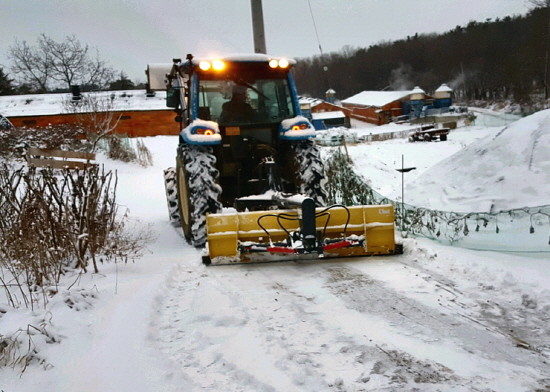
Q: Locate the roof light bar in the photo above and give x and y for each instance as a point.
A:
(216, 65)
(280, 63)
(205, 65)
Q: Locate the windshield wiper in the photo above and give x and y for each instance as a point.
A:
(250, 86)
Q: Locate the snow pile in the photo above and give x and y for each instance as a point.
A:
(508, 170)
(378, 162)
(24, 336)
(333, 136)
(32, 336)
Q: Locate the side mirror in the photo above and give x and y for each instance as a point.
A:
(172, 98)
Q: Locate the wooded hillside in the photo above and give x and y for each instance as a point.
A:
(501, 59)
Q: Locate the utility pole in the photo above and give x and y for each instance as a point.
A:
(258, 26)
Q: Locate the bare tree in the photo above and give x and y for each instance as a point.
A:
(67, 62)
(98, 72)
(96, 115)
(31, 65)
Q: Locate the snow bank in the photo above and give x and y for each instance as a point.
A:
(508, 170)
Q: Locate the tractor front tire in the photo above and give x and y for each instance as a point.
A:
(311, 174)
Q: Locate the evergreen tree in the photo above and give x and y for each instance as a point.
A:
(123, 83)
(6, 87)
(497, 59)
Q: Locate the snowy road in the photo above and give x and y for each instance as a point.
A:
(368, 324)
(436, 318)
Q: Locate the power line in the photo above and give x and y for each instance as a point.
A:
(315, 27)
(325, 68)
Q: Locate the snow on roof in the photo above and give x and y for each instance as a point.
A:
(376, 98)
(311, 101)
(417, 90)
(444, 89)
(328, 115)
(330, 91)
(46, 104)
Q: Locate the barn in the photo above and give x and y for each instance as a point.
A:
(376, 107)
(137, 113)
(382, 107)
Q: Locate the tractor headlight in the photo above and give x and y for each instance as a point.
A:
(198, 130)
(297, 128)
(216, 65)
(202, 132)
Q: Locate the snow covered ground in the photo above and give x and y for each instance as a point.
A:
(436, 318)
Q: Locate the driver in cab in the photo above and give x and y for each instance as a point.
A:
(237, 110)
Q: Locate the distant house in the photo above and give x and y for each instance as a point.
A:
(332, 119)
(330, 96)
(376, 107)
(323, 114)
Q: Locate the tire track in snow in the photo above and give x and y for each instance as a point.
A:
(209, 324)
(446, 338)
(524, 322)
(322, 327)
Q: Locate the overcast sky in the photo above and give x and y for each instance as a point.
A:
(129, 34)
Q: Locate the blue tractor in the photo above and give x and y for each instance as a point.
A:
(245, 147)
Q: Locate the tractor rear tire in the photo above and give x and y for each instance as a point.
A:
(172, 195)
(184, 203)
(198, 190)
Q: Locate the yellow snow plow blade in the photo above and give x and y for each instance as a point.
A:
(278, 235)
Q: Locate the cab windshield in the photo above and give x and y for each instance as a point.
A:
(237, 101)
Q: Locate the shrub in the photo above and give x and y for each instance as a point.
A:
(54, 221)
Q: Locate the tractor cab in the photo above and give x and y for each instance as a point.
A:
(227, 95)
(250, 96)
